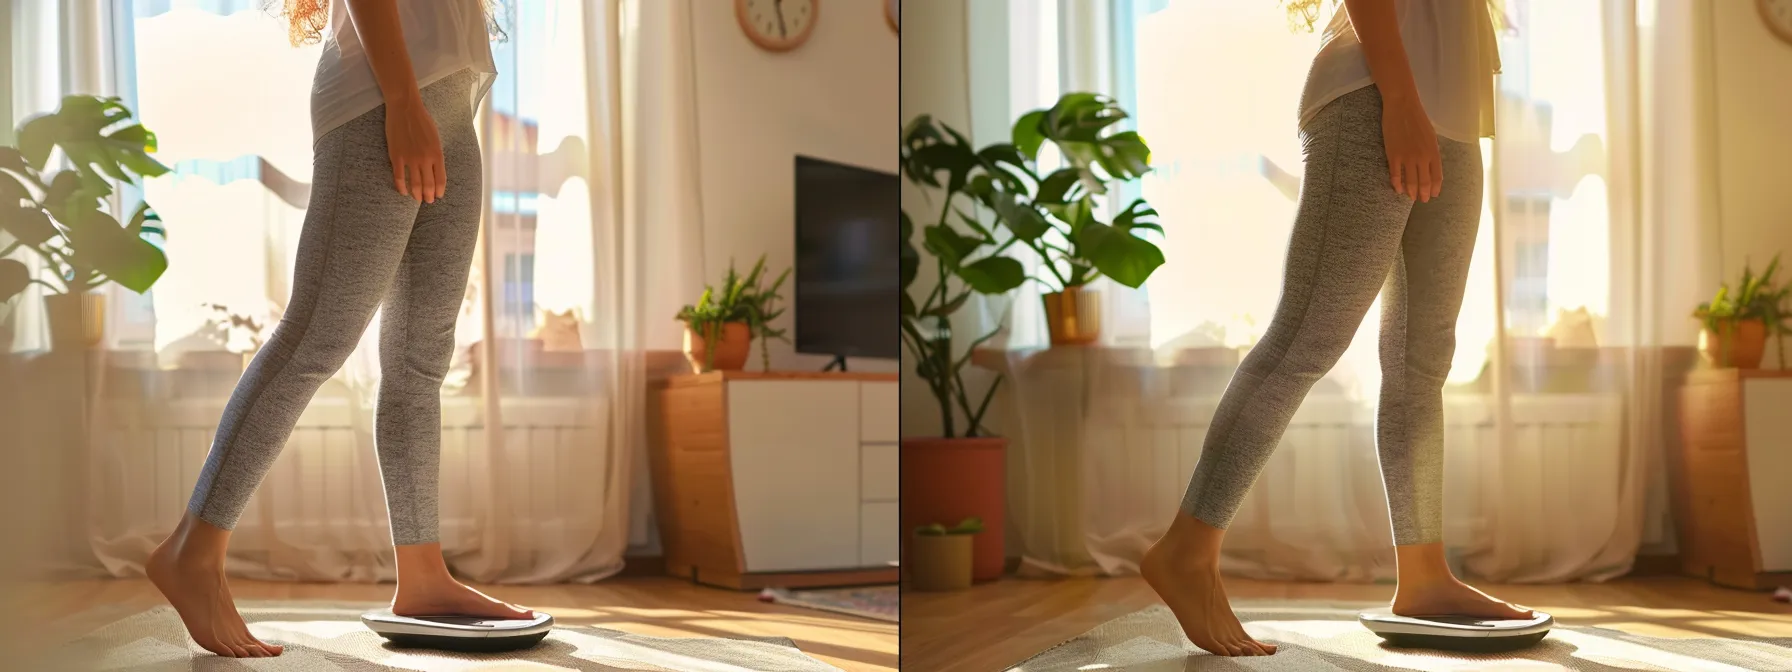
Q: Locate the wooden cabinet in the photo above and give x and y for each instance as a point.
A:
(777, 479)
(1733, 498)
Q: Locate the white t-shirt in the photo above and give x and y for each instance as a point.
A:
(1454, 57)
(443, 37)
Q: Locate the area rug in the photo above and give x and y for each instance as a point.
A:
(329, 638)
(1316, 637)
(882, 603)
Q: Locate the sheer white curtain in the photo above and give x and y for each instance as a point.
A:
(543, 410)
(1550, 456)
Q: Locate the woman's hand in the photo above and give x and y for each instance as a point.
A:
(416, 150)
(1413, 161)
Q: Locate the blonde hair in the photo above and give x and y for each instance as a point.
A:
(307, 19)
(1304, 14)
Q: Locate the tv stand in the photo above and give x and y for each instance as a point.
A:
(839, 360)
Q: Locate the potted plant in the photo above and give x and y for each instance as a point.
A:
(236, 332)
(719, 329)
(62, 216)
(1057, 215)
(940, 557)
(961, 472)
(1735, 327)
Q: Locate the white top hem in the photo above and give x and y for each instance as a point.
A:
(349, 114)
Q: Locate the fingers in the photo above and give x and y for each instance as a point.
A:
(426, 176)
(1423, 192)
(441, 179)
(1437, 176)
(1412, 180)
(1396, 170)
(398, 175)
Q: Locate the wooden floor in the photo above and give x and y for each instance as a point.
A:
(657, 606)
(995, 625)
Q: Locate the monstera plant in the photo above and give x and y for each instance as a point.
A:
(959, 472)
(1055, 214)
(62, 216)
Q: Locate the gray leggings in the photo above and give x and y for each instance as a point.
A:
(1354, 236)
(363, 244)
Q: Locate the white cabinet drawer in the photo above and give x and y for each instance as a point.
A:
(880, 472)
(880, 412)
(793, 449)
(880, 539)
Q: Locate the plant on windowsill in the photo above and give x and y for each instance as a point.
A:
(940, 558)
(719, 329)
(1735, 328)
(62, 216)
(1056, 215)
(236, 332)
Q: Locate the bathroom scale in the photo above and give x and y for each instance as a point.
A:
(459, 633)
(1463, 633)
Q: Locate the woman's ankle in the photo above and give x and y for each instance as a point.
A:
(1422, 566)
(1190, 544)
(196, 542)
(422, 566)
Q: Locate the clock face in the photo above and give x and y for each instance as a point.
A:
(1778, 15)
(777, 25)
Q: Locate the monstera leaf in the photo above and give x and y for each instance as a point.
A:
(69, 225)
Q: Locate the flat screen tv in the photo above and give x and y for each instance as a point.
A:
(847, 274)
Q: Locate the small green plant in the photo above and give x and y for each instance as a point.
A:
(62, 216)
(970, 525)
(743, 299)
(1757, 298)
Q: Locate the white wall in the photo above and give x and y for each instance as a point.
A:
(1752, 77)
(1751, 82)
(834, 98)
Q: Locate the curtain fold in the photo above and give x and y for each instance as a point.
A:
(1554, 408)
(591, 208)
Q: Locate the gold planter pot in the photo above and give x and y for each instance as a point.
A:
(77, 321)
(1073, 316)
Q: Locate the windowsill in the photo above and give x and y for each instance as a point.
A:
(1548, 370)
(210, 375)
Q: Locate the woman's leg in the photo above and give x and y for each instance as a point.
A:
(1346, 236)
(1418, 342)
(416, 346)
(356, 229)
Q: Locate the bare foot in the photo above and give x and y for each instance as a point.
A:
(1194, 593)
(1451, 597)
(196, 588)
(448, 597)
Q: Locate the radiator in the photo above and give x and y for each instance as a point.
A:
(1563, 465)
(325, 489)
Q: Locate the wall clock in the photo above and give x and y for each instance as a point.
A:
(777, 25)
(1778, 16)
(893, 14)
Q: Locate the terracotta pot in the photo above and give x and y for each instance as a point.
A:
(1073, 316)
(947, 480)
(1736, 344)
(731, 353)
(77, 321)
(939, 562)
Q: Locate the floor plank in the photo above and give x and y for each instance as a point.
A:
(657, 606)
(995, 625)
